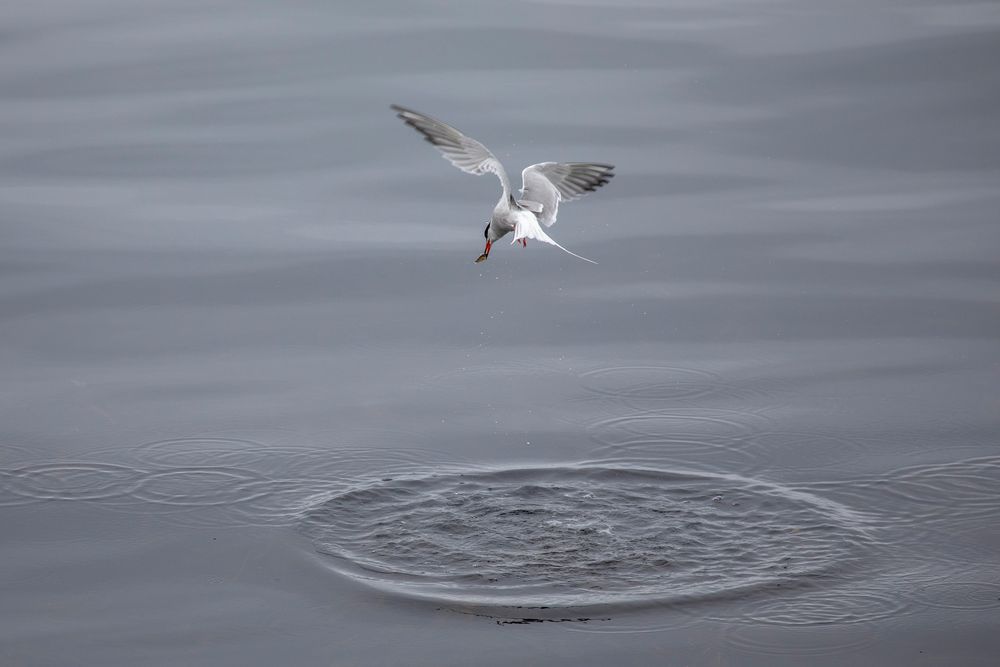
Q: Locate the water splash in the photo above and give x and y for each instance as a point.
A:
(580, 536)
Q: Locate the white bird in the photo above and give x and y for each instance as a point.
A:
(544, 185)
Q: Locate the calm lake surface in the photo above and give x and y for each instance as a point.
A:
(259, 406)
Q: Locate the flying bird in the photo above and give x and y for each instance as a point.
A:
(544, 185)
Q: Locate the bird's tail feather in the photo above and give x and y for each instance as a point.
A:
(528, 228)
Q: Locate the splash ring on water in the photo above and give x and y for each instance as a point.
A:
(201, 487)
(800, 640)
(73, 481)
(13, 453)
(696, 429)
(580, 536)
(658, 383)
(823, 607)
(965, 595)
(689, 437)
(950, 491)
(7, 496)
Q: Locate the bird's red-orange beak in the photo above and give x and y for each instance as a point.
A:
(486, 253)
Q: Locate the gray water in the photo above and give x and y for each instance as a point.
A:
(260, 407)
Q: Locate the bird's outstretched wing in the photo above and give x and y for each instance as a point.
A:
(549, 183)
(464, 152)
(527, 227)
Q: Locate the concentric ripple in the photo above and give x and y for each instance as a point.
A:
(660, 383)
(967, 595)
(10, 453)
(645, 387)
(690, 436)
(201, 487)
(824, 607)
(580, 536)
(703, 426)
(803, 450)
(801, 640)
(72, 481)
(918, 495)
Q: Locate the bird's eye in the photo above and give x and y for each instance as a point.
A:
(486, 232)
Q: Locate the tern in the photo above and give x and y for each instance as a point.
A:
(544, 185)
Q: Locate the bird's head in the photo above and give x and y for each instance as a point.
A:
(489, 242)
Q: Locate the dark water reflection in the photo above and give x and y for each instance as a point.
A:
(234, 289)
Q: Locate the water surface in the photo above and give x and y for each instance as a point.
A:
(260, 407)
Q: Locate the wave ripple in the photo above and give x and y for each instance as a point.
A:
(580, 536)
